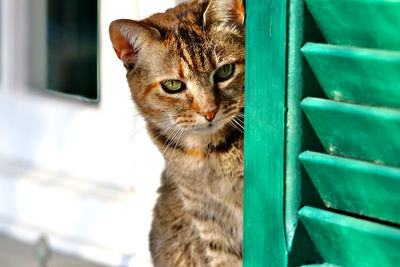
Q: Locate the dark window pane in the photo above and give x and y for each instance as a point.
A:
(72, 47)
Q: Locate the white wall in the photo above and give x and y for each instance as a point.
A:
(81, 173)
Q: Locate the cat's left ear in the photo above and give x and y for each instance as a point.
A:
(224, 11)
(129, 37)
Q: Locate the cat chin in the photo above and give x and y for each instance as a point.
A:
(209, 129)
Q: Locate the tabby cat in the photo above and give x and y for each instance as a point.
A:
(185, 70)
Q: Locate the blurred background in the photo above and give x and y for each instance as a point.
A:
(78, 173)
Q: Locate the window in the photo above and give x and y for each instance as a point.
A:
(71, 33)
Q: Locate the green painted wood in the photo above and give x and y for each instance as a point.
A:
(264, 233)
(294, 118)
(365, 23)
(348, 241)
(366, 76)
(301, 28)
(320, 265)
(355, 186)
(300, 83)
(356, 131)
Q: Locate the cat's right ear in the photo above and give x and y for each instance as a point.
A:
(129, 37)
(224, 11)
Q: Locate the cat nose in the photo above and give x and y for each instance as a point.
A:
(209, 115)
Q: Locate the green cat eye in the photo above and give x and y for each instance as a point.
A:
(225, 72)
(173, 86)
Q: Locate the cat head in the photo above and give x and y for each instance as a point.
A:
(185, 67)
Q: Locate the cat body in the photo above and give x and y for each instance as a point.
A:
(186, 74)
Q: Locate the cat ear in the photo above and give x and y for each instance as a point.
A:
(129, 37)
(224, 11)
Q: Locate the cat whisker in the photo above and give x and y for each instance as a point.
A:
(165, 131)
(240, 120)
(169, 141)
(144, 127)
(240, 114)
(166, 145)
(161, 121)
(176, 143)
(238, 123)
(229, 114)
(234, 126)
(173, 141)
(136, 132)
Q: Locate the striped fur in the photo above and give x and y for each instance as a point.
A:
(198, 218)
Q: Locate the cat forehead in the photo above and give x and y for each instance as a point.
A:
(188, 22)
(197, 58)
(187, 13)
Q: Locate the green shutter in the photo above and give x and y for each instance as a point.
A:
(322, 140)
(357, 176)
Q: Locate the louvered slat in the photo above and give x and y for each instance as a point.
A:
(364, 23)
(366, 76)
(347, 241)
(355, 186)
(356, 131)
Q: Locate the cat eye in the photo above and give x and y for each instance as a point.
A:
(225, 72)
(173, 86)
